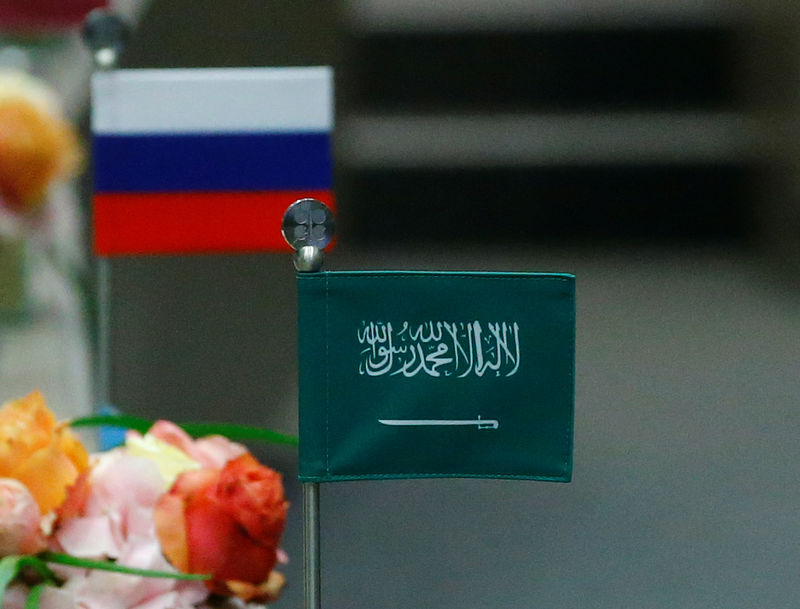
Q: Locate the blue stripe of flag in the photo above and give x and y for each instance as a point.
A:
(212, 162)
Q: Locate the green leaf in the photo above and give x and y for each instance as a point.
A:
(32, 601)
(231, 431)
(107, 565)
(9, 568)
(117, 420)
(40, 567)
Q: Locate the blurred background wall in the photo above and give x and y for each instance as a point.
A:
(650, 147)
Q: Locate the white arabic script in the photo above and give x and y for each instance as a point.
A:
(439, 348)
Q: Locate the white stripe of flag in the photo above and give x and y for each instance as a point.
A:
(216, 100)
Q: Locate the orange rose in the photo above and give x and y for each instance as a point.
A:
(39, 452)
(226, 523)
(37, 146)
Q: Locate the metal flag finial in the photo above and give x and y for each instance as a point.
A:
(308, 226)
(105, 33)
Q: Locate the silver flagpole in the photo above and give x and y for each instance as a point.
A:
(104, 34)
(311, 561)
(102, 382)
(308, 227)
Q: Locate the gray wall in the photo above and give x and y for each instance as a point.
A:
(686, 458)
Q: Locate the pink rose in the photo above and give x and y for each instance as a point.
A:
(211, 451)
(109, 514)
(19, 520)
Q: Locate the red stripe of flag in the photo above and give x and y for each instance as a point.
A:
(193, 222)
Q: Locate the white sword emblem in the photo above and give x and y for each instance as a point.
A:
(479, 422)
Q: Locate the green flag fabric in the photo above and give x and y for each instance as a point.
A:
(436, 374)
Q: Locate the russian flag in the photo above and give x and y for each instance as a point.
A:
(207, 160)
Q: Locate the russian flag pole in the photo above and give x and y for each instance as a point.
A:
(105, 35)
(308, 227)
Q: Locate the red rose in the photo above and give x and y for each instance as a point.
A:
(226, 523)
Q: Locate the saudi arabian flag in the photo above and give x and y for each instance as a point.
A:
(436, 374)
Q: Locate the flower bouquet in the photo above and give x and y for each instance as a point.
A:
(38, 150)
(164, 521)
